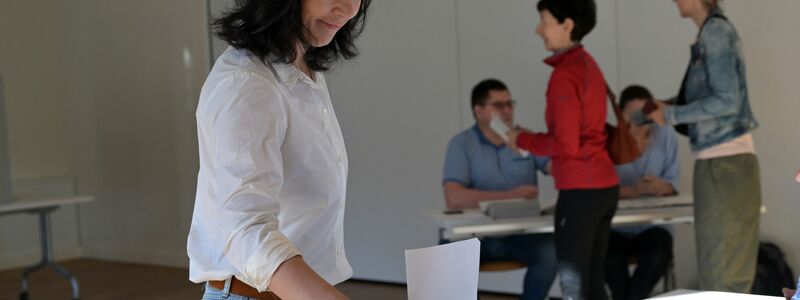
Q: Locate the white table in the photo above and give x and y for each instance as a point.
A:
(700, 295)
(43, 206)
(472, 223)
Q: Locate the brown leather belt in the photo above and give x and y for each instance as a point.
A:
(242, 289)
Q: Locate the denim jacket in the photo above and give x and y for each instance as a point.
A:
(713, 101)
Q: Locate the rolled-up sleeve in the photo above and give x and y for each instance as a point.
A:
(248, 131)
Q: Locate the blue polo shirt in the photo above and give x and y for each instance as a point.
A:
(476, 163)
(659, 159)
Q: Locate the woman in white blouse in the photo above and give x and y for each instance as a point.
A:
(268, 214)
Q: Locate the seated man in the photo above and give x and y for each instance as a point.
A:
(655, 173)
(479, 167)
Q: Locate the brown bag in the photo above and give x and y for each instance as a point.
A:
(620, 142)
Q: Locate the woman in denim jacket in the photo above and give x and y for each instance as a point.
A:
(712, 108)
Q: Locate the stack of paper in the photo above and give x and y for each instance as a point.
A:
(512, 208)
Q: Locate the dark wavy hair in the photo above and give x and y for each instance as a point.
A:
(582, 12)
(270, 30)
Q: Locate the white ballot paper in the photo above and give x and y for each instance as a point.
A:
(444, 272)
(499, 127)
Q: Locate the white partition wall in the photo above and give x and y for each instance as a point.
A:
(769, 30)
(398, 106)
(34, 128)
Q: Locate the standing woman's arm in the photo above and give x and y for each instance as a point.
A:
(563, 139)
(718, 42)
(248, 129)
(294, 279)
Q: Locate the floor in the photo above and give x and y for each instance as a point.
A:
(100, 280)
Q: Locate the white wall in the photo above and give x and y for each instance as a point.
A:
(769, 32)
(397, 104)
(644, 42)
(133, 71)
(38, 145)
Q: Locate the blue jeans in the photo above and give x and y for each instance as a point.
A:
(215, 294)
(538, 251)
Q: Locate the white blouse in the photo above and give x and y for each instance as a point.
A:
(273, 173)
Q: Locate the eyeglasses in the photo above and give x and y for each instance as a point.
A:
(499, 105)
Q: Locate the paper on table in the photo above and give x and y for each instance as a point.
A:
(444, 272)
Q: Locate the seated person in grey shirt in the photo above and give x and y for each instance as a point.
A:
(655, 173)
(480, 167)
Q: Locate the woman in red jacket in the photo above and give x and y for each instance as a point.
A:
(576, 141)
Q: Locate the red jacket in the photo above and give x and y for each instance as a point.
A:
(576, 118)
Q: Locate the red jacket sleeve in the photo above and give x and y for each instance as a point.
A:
(564, 117)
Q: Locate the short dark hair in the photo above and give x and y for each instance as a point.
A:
(633, 92)
(480, 93)
(582, 12)
(270, 30)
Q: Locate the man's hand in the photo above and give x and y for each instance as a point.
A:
(797, 177)
(526, 191)
(652, 185)
(658, 115)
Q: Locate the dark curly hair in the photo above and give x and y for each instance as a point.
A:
(270, 29)
(582, 12)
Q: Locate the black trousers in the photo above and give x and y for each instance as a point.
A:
(653, 251)
(582, 225)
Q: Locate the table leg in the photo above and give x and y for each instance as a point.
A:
(47, 258)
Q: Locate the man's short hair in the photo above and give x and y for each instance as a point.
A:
(480, 93)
